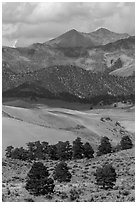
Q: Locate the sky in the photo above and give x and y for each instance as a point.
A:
(24, 23)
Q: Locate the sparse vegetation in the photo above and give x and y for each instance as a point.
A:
(74, 194)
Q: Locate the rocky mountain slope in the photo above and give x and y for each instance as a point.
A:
(80, 68)
(67, 82)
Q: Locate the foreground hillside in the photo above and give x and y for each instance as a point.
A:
(53, 121)
(83, 180)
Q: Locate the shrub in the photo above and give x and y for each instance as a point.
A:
(105, 176)
(104, 147)
(74, 194)
(64, 195)
(77, 149)
(28, 200)
(61, 172)
(88, 150)
(126, 142)
(38, 181)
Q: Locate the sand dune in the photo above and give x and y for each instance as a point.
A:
(21, 125)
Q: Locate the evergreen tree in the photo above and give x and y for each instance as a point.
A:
(64, 150)
(105, 176)
(38, 150)
(9, 151)
(61, 172)
(52, 152)
(31, 150)
(38, 181)
(77, 149)
(126, 142)
(18, 153)
(88, 151)
(105, 146)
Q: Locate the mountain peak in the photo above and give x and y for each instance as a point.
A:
(71, 32)
(102, 30)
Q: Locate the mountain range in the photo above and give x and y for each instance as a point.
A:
(82, 65)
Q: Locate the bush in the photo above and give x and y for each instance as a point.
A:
(126, 142)
(78, 149)
(61, 172)
(105, 176)
(104, 147)
(88, 150)
(28, 200)
(74, 194)
(38, 181)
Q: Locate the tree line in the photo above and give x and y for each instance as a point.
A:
(64, 150)
(39, 181)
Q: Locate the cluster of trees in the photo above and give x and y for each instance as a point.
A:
(40, 182)
(60, 151)
(64, 150)
(105, 147)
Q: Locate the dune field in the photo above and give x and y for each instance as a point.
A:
(33, 122)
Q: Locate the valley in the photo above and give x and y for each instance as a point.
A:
(77, 85)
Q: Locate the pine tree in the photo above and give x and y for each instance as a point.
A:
(126, 142)
(38, 181)
(64, 150)
(9, 151)
(52, 152)
(88, 151)
(105, 146)
(61, 172)
(105, 176)
(77, 149)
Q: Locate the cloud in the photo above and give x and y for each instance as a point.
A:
(28, 22)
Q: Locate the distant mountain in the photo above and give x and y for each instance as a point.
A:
(104, 36)
(74, 38)
(38, 56)
(71, 66)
